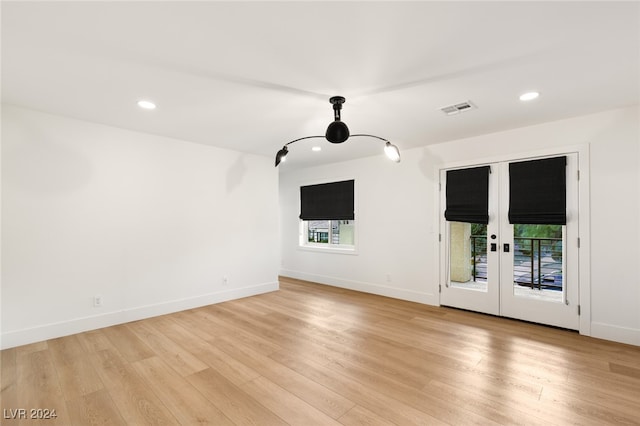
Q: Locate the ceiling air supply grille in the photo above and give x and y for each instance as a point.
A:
(457, 108)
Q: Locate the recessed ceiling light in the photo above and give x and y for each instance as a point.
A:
(529, 96)
(316, 148)
(146, 104)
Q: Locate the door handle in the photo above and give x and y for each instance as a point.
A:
(505, 248)
(494, 247)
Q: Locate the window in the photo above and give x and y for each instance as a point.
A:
(327, 216)
(330, 232)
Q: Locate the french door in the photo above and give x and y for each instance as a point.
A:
(526, 271)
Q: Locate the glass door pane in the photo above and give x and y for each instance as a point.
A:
(468, 255)
(538, 262)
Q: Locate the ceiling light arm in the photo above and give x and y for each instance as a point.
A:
(282, 154)
(371, 136)
(300, 139)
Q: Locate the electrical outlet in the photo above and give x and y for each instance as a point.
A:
(225, 280)
(97, 301)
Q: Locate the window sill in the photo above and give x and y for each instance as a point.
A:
(332, 250)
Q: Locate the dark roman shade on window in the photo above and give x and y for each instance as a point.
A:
(468, 195)
(538, 192)
(327, 201)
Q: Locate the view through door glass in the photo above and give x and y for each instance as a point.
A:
(538, 262)
(468, 255)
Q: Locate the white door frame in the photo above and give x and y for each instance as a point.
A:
(584, 217)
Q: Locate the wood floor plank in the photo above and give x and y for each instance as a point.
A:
(423, 401)
(285, 404)
(66, 350)
(177, 394)
(326, 350)
(76, 373)
(136, 401)
(8, 380)
(32, 347)
(112, 368)
(138, 405)
(606, 383)
(619, 399)
(252, 331)
(207, 352)
(175, 356)
(39, 388)
(556, 400)
(547, 352)
(94, 341)
(94, 409)
(241, 408)
(194, 320)
(314, 354)
(229, 323)
(424, 341)
(474, 397)
(490, 383)
(127, 343)
(375, 400)
(491, 358)
(78, 378)
(624, 370)
(318, 396)
(359, 416)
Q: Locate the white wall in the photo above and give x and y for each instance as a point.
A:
(397, 216)
(150, 223)
(388, 197)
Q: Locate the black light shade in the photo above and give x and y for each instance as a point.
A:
(337, 132)
(280, 156)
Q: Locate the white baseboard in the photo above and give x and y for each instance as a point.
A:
(396, 293)
(615, 333)
(11, 339)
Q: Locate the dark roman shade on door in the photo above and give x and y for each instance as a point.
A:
(538, 192)
(327, 201)
(468, 195)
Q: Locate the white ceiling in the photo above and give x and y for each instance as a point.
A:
(253, 76)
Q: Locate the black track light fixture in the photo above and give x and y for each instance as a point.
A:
(282, 155)
(338, 132)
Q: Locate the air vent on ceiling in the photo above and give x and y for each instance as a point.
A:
(456, 108)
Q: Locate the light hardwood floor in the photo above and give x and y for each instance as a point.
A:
(316, 355)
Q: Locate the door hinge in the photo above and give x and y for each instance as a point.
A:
(578, 174)
(439, 288)
(439, 238)
(578, 242)
(578, 310)
(439, 186)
